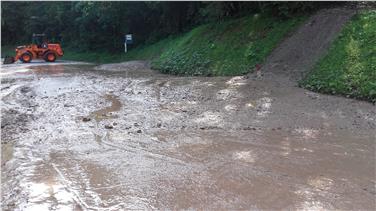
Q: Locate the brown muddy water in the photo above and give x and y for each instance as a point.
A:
(75, 137)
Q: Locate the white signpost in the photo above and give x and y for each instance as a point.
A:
(128, 40)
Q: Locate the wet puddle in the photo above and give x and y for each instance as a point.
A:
(106, 113)
(103, 113)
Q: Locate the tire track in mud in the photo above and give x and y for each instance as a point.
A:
(81, 201)
(16, 118)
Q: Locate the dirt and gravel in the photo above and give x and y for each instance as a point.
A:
(121, 136)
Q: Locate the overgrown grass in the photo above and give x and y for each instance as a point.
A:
(349, 68)
(229, 48)
(148, 52)
(232, 47)
(94, 57)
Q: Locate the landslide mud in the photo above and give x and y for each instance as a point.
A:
(123, 137)
(180, 143)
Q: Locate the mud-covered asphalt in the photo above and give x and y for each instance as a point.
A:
(121, 137)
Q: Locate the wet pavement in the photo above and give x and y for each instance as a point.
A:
(122, 137)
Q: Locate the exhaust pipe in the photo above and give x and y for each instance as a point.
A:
(8, 60)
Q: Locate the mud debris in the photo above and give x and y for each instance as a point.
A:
(86, 119)
(213, 157)
(224, 150)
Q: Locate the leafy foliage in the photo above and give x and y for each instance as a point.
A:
(349, 68)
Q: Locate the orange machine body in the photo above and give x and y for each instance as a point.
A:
(48, 52)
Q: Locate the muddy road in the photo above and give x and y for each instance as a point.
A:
(121, 137)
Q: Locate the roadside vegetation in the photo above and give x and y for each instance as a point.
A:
(94, 31)
(229, 48)
(349, 68)
(143, 52)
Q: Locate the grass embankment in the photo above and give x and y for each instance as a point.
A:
(349, 68)
(231, 47)
(147, 52)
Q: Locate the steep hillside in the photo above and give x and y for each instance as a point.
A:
(349, 68)
(229, 48)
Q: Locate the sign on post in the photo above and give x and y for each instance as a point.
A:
(128, 40)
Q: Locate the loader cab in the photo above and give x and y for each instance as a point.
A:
(40, 40)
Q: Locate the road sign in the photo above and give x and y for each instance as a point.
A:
(129, 39)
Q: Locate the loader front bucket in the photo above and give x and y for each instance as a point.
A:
(8, 60)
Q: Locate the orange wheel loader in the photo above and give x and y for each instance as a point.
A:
(39, 49)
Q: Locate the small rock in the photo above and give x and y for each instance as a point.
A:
(139, 131)
(159, 125)
(114, 123)
(108, 126)
(136, 124)
(86, 119)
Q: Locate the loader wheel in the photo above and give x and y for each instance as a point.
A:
(26, 57)
(50, 57)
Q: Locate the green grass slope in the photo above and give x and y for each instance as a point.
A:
(349, 68)
(229, 48)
